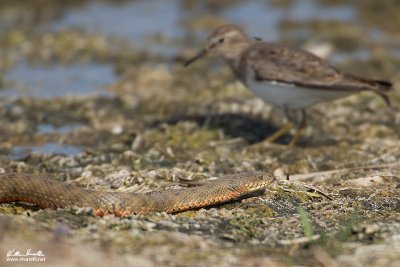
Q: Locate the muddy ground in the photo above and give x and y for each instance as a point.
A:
(157, 123)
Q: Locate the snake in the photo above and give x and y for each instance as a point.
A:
(46, 192)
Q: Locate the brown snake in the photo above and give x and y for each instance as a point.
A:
(49, 193)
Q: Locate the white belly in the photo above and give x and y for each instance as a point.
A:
(293, 97)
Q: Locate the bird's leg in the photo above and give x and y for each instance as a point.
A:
(284, 129)
(299, 130)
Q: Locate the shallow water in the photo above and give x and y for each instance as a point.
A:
(58, 80)
(49, 128)
(263, 19)
(133, 20)
(20, 152)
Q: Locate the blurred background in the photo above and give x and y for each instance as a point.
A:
(52, 48)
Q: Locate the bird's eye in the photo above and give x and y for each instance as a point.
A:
(221, 40)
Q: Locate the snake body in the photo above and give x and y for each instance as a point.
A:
(49, 193)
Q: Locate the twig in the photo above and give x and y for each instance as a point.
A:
(320, 176)
(299, 241)
(317, 192)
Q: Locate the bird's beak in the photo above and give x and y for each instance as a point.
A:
(199, 55)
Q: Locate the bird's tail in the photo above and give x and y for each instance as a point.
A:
(378, 86)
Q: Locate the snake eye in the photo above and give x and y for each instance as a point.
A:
(221, 40)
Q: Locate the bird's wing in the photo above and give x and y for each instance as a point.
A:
(285, 65)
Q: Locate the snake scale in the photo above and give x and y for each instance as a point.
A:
(49, 193)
